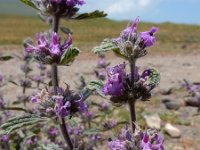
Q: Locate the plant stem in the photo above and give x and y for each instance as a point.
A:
(131, 101)
(55, 84)
(131, 104)
(65, 133)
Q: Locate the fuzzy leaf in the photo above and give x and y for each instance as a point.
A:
(119, 53)
(69, 56)
(51, 147)
(15, 109)
(92, 131)
(20, 122)
(154, 78)
(65, 30)
(5, 58)
(106, 45)
(91, 15)
(86, 93)
(97, 86)
(29, 3)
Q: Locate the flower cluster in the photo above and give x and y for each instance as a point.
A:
(49, 48)
(65, 103)
(140, 140)
(119, 86)
(64, 8)
(133, 44)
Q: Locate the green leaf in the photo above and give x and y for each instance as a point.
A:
(91, 15)
(97, 86)
(14, 108)
(106, 45)
(154, 78)
(65, 30)
(16, 123)
(92, 131)
(13, 82)
(119, 53)
(69, 56)
(51, 147)
(86, 93)
(5, 58)
(29, 3)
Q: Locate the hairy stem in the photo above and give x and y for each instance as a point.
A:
(65, 133)
(131, 104)
(55, 83)
(131, 101)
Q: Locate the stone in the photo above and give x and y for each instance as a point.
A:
(172, 131)
(153, 121)
(172, 105)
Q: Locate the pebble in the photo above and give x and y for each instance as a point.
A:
(153, 121)
(172, 131)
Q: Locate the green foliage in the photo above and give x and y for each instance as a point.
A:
(69, 56)
(97, 86)
(14, 108)
(106, 45)
(154, 78)
(51, 147)
(16, 123)
(119, 53)
(92, 131)
(5, 58)
(29, 3)
(91, 15)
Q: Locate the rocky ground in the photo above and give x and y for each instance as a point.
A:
(173, 68)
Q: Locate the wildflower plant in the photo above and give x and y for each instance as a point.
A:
(63, 111)
(123, 87)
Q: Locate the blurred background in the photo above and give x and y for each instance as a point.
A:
(178, 22)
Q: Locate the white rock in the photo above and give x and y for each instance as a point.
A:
(153, 121)
(172, 131)
(178, 148)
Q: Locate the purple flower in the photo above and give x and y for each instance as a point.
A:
(101, 75)
(49, 47)
(65, 108)
(88, 114)
(101, 63)
(73, 3)
(5, 138)
(153, 142)
(117, 145)
(35, 99)
(148, 37)
(129, 33)
(145, 143)
(116, 79)
(53, 131)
